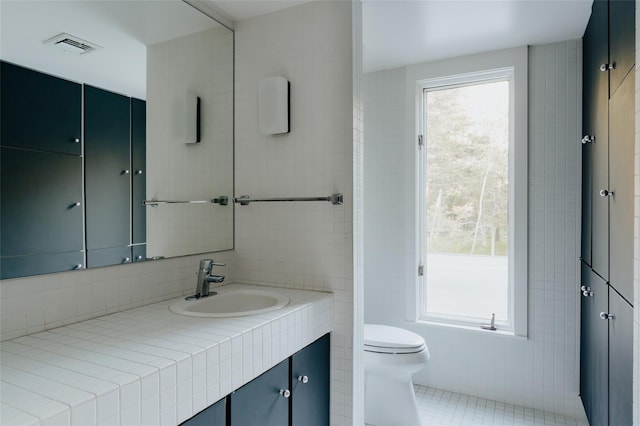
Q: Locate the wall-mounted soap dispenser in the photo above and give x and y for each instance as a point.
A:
(273, 106)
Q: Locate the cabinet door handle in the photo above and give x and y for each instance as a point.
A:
(138, 172)
(78, 266)
(586, 291)
(76, 140)
(126, 260)
(606, 316)
(125, 172)
(588, 139)
(303, 379)
(286, 393)
(607, 67)
(76, 204)
(606, 193)
(139, 258)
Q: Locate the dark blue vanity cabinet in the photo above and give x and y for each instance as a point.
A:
(310, 384)
(41, 206)
(107, 134)
(293, 393)
(264, 401)
(606, 352)
(214, 415)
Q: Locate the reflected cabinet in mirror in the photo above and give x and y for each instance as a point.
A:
(115, 117)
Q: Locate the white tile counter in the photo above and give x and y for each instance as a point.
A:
(148, 366)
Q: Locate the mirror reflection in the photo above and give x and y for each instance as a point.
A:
(83, 83)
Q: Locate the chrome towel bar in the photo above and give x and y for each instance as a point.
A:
(335, 199)
(222, 200)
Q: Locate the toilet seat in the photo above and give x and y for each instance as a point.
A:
(391, 340)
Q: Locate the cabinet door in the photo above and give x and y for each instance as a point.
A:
(620, 361)
(259, 402)
(22, 266)
(41, 203)
(138, 166)
(622, 25)
(109, 256)
(594, 354)
(587, 195)
(39, 111)
(596, 97)
(310, 384)
(139, 253)
(214, 415)
(107, 169)
(621, 144)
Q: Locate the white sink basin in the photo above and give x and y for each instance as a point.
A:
(231, 302)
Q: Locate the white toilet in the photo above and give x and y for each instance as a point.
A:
(391, 356)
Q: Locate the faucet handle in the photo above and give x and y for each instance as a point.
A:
(217, 263)
(206, 265)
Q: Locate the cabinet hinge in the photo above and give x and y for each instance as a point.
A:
(420, 270)
(420, 141)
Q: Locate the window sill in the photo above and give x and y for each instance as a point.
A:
(470, 329)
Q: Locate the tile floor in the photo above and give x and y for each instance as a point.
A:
(442, 408)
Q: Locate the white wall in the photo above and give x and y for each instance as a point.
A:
(200, 64)
(541, 371)
(300, 245)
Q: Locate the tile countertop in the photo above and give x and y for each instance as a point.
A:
(147, 365)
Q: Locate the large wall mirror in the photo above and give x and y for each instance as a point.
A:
(117, 133)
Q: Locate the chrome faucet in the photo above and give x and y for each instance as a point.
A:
(205, 277)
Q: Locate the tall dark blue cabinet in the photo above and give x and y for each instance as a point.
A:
(69, 200)
(41, 204)
(107, 176)
(606, 287)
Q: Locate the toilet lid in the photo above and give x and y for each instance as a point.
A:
(387, 339)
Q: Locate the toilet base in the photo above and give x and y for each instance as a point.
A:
(390, 402)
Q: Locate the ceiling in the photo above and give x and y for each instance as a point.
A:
(123, 28)
(402, 32)
(395, 32)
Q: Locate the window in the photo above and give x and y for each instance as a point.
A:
(472, 203)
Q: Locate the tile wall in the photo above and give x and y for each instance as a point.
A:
(358, 213)
(42, 302)
(541, 372)
(301, 245)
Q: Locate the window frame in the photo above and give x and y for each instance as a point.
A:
(513, 66)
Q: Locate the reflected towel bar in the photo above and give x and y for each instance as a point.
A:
(222, 200)
(335, 199)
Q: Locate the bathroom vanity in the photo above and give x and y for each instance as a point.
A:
(294, 392)
(153, 367)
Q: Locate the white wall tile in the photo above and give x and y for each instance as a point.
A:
(542, 371)
(32, 304)
(299, 245)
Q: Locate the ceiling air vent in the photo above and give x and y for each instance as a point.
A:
(73, 44)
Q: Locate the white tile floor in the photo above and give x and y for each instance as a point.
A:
(442, 408)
